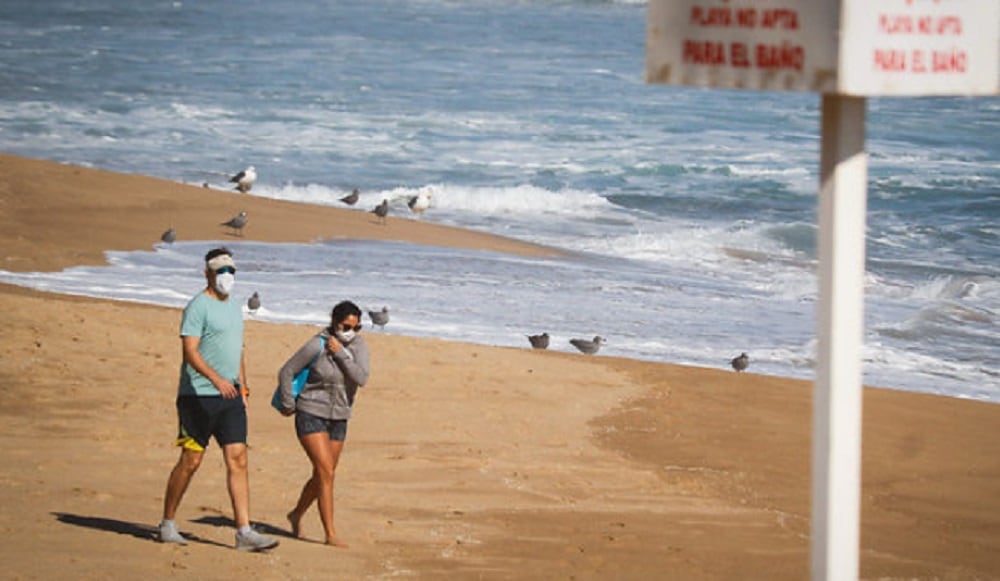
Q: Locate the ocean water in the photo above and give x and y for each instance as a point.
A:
(689, 214)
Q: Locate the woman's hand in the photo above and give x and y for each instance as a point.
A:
(333, 345)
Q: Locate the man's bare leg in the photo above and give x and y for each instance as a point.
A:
(238, 482)
(180, 478)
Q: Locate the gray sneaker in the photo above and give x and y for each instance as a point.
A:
(169, 534)
(254, 541)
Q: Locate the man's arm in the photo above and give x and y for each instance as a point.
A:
(189, 348)
(244, 388)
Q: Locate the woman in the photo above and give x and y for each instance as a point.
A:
(337, 358)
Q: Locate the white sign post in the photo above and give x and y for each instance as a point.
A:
(836, 446)
(845, 50)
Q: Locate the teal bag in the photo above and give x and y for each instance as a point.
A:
(299, 381)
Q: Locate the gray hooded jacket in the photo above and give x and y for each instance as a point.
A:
(333, 380)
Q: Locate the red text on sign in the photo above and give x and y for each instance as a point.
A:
(739, 55)
(920, 61)
(890, 60)
(704, 52)
(720, 16)
(781, 18)
(784, 56)
(726, 17)
(948, 61)
(910, 24)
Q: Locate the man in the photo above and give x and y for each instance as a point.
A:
(211, 401)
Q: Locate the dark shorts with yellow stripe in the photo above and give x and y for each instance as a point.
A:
(199, 418)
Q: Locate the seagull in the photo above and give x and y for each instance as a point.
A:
(351, 198)
(237, 223)
(740, 363)
(379, 318)
(253, 303)
(169, 236)
(245, 179)
(539, 341)
(588, 346)
(419, 203)
(382, 210)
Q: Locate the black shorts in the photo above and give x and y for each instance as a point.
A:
(200, 418)
(306, 423)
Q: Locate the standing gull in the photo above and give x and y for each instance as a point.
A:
(253, 303)
(382, 210)
(245, 179)
(419, 203)
(539, 341)
(379, 318)
(237, 223)
(351, 198)
(169, 236)
(740, 363)
(588, 346)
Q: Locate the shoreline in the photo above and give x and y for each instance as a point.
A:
(121, 205)
(45, 225)
(463, 460)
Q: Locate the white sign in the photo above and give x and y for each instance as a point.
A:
(847, 50)
(920, 47)
(850, 47)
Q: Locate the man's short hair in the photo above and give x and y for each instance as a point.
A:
(217, 252)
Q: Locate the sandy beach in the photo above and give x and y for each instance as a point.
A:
(462, 461)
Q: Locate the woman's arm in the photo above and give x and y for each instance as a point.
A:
(296, 363)
(354, 365)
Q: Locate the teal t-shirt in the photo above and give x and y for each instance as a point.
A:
(220, 326)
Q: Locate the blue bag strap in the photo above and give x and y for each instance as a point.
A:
(322, 346)
(276, 397)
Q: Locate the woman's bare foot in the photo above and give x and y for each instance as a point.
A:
(296, 521)
(335, 542)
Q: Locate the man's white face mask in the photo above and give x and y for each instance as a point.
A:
(224, 283)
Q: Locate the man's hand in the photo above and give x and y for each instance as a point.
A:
(226, 388)
(189, 350)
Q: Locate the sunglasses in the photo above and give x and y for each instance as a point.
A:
(346, 328)
(225, 269)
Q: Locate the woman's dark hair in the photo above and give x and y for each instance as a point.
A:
(341, 311)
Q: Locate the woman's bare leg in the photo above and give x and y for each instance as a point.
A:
(306, 498)
(324, 455)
